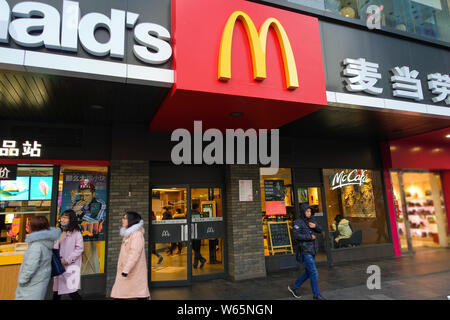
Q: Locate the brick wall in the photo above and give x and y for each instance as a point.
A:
(125, 176)
(244, 225)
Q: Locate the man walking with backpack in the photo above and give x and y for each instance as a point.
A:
(304, 228)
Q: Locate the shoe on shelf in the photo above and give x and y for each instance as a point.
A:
(294, 292)
(160, 259)
(202, 263)
(319, 297)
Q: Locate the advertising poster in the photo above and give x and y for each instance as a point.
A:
(86, 194)
(18, 189)
(274, 197)
(41, 188)
(245, 190)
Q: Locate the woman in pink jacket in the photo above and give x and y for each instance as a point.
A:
(131, 278)
(71, 247)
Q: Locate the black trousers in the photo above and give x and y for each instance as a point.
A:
(73, 296)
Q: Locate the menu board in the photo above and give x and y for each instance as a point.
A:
(279, 234)
(274, 190)
(41, 188)
(274, 197)
(15, 189)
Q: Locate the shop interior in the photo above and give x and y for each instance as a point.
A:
(169, 260)
(21, 199)
(281, 209)
(426, 210)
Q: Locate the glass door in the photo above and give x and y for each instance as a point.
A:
(312, 195)
(169, 236)
(207, 231)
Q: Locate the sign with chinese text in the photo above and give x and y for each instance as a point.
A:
(8, 172)
(369, 64)
(12, 148)
(245, 190)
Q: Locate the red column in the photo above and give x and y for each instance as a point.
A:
(387, 165)
(445, 178)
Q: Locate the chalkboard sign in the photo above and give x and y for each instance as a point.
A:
(279, 234)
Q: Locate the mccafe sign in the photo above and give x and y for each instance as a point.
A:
(346, 178)
(34, 25)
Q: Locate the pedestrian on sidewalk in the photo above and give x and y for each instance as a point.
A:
(131, 277)
(304, 228)
(36, 268)
(71, 247)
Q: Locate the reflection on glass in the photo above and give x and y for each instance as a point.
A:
(427, 18)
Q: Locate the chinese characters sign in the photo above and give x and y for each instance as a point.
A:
(11, 148)
(362, 76)
(8, 172)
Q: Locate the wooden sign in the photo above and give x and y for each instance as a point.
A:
(280, 237)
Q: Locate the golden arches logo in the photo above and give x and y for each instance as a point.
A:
(257, 41)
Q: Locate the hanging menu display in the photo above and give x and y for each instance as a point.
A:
(274, 197)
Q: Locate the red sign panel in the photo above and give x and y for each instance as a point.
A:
(239, 56)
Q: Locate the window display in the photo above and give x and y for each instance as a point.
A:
(422, 193)
(355, 207)
(84, 189)
(277, 206)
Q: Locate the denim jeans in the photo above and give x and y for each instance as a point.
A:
(311, 273)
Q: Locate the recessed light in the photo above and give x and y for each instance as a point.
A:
(415, 149)
(236, 114)
(393, 148)
(448, 136)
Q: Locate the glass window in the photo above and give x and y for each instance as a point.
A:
(427, 18)
(355, 200)
(29, 195)
(84, 189)
(278, 210)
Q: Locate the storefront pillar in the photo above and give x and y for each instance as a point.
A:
(244, 225)
(129, 191)
(445, 176)
(387, 164)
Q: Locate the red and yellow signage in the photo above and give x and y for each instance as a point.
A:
(224, 64)
(258, 44)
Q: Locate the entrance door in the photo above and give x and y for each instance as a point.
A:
(169, 235)
(207, 232)
(422, 209)
(186, 235)
(313, 195)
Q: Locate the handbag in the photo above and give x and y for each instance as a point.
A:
(57, 267)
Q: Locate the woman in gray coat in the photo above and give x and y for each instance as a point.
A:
(36, 268)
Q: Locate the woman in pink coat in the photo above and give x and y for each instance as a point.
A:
(71, 247)
(131, 278)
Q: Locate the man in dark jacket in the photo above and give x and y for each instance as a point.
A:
(304, 228)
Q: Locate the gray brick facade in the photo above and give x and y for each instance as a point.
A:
(126, 176)
(244, 225)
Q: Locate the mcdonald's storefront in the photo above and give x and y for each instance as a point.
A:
(105, 110)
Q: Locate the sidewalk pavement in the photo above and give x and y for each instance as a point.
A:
(423, 276)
